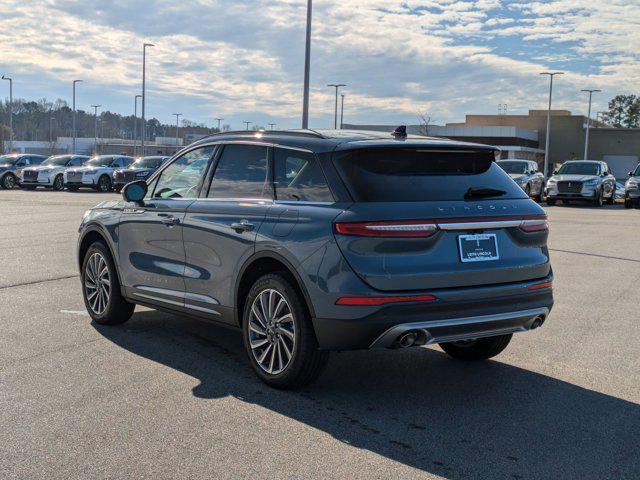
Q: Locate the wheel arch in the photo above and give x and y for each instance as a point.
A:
(258, 265)
(91, 235)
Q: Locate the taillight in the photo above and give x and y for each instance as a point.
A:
(534, 225)
(377, 301)
(387, 229)
(538, 286)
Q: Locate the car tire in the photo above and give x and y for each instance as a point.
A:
(267, 340)
(58, 183)
(479, 349)
(612, 199)
(9, 181)
(101, 287)
(527, 190)
(551, 201)
(599, 200)
(628, 203)
(104, 184)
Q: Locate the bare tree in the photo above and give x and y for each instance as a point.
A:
(425, 121)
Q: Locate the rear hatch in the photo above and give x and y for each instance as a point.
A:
(426, 218)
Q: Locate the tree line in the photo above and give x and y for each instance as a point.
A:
(624, 111)
(44, 120)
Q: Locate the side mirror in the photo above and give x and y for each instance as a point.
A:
(555, 172)
(135, 191)
(630, 174)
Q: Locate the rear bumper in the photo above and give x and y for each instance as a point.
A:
(458, 314)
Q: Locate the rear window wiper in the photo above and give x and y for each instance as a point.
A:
(483, 192)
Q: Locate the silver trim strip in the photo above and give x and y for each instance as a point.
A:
(479, 225)
(429, 328)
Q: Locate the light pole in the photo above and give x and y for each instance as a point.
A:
(95, 127)
(51, 120)
(586, 136)
(144, 72)
(177, 115)
(246, 123)
(135, 123)
(273, 126)
(335, 114)
(342, 112)
(10, 80)
(546, 148)
(307, 67)
(73, 121)
(219, 120)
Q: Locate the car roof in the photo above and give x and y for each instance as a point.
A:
(328, 140)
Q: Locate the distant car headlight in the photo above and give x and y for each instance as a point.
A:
(592, 183)
(551, 182)
(632, 183)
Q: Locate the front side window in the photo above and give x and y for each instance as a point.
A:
(182, 178)
(298, 176)
(241, 173)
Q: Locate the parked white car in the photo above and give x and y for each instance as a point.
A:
(96, 173)
(50, 172)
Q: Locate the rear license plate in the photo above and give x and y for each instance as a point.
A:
(478, 248)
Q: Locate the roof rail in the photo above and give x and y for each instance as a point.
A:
(298, 132)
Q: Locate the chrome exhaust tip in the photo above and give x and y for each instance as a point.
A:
(537, 322)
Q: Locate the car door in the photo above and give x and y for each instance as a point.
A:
(220, 228)
(21, 164)
(150, 246)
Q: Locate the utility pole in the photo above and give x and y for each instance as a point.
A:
(342, 112)
(73, 149)
(546, 148)
(335, 113)
(219, 120)
(51, 120)
(177, 115)
(10, 80)
(135, 124)
(247, 124)
(586, 136)
(307, 68)
(95, 127)
(144, 72)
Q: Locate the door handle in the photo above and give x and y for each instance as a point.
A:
(242, 226)
(170, 221)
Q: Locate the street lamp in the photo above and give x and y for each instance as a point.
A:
(177, 115)
(10, 80)
(307, 68)
(219, 120)
(51, 120)
(342, 112)
(95, 127)
(246, 123)
(335, 114)
(135, 123)
(144, 71)
(546, 148)
(273, 126)
(73, 150)
(586, 136)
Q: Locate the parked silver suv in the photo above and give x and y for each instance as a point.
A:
(631, 190)
(11, 167)
(525, 173)
(582, 180)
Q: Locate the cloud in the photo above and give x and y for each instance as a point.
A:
(243, 60)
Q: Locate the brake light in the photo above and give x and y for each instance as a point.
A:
(535, 225)
(538, 286)
(377, 301)
(388, 229)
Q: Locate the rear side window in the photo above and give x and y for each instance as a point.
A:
(241, 173)
(297, 176)
(420, 174)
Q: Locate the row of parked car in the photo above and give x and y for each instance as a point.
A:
(102, 173)
(575, 181)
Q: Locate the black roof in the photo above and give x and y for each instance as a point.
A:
(328, 140)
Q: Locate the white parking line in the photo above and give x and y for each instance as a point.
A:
(75, 312)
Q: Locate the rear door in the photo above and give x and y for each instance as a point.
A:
(426, 218)
(220, 228)
(151, 250)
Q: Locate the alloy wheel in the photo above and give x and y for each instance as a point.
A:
(272, 331)
(9, 182)
(58, 183)
(97, 283)
(104, 184)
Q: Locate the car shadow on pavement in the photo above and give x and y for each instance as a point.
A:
(418, 407)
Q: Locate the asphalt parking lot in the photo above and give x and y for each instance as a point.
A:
(168, 397)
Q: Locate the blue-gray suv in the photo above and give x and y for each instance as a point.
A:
(311, 241)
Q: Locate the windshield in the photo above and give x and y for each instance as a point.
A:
(579, 168)
(147, 162)
(422, 174)
(56, 161)
(514, 167)
(637, 171)
(99, 162)
(8, 159)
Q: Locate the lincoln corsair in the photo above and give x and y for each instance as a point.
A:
(312, 241)
(582, 180)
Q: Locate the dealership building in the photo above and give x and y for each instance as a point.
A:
(524, 136)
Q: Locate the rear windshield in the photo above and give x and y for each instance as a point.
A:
(514, 167)
(415, 175)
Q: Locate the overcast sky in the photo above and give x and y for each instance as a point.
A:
(243, 60)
